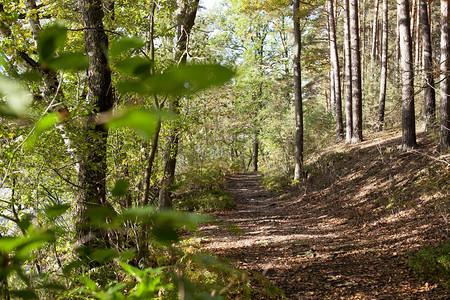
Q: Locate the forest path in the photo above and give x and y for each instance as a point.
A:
(313, 247)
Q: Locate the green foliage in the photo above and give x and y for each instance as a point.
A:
(276, 183)
(16, 98)
(207, 200)
(433, 263)
(201, 188)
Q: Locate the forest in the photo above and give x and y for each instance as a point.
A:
(240, 149)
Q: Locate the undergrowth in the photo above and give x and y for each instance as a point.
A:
(275, 183)
(201, 188)
(205, 200)
(433, 264)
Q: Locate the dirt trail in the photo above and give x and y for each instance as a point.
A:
(313, 247)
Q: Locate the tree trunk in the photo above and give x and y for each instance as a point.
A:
(429, 94)
(445, 80)
(298, 93)
(356, 73)
(336, 73)
(418, 37)
(186, 14)
(374, 35)
(362, 32)
(92, 174)
(383, 76)
(348, 75)
(408, 118)
(255, 153)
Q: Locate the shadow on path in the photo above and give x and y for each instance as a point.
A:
(312, 249)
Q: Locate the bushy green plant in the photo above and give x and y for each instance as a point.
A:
(206, 200)
(433, 263)
(275, 183)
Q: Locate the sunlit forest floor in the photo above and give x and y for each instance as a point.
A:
(347, 231)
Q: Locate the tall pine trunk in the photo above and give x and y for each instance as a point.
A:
(348, 75)
(429, 95)
(406, 62)
(445, 80)
(374, 52)
(336, 73)
(356, 73)
(92, 172)
(383, 76)
(298, 93)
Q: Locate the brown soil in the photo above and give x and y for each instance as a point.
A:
(347, 231)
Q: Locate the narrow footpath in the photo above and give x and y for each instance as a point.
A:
(313, 247)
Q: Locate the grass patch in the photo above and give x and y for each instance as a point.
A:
(433, 264)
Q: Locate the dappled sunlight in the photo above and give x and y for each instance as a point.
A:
(337, 234)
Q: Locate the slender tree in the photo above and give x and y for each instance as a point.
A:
(429, 94)
(383, 76)
(186, 13)
(445, 79)
(92, 172)
(298, 93)
(357, 135)
(406, 61)
(348, 75)
(374, 52)
(336, 73)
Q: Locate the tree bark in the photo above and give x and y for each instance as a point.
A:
(429, 94)
(356, 73)
(186, 13)
(383, 76)
(336, 73)
(408, 118)
(92, 173)
(445, 80)
(298, 93)
(255, 153)
(348, 75)
(374, 35)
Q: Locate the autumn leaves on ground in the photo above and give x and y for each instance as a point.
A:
(347, 231)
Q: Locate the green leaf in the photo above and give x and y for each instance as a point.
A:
(178, 81)
(101, 216)
(103, 255)
(125, 44)
(165, 233)
(139, 87)
(31, 76)
(137, 66)
(120, 189)
(50, 39)
(45, 123)
(138, 273)
(56, 210)
(70, 61)
(127, 254)
(52, 286)
(72, 265)
(142, 121)
(89, 283)
(141, 213)
(17, 98)
(24, 294)
(189, 79)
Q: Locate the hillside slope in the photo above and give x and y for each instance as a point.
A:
(348, 230)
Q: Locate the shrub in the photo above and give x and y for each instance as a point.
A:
(275, 183)
(433, 264)
(205, 200)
